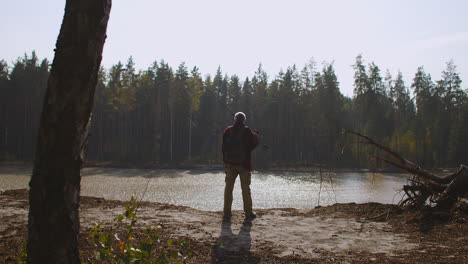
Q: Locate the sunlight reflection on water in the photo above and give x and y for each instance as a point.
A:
(204, 189)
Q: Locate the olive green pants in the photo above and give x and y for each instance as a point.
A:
(231, 174)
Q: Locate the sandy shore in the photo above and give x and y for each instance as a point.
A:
(342, 233)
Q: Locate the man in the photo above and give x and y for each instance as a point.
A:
(238, 143)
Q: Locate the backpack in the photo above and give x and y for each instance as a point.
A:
(234, 146)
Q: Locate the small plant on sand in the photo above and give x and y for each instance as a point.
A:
(23, 256)
(119, 244)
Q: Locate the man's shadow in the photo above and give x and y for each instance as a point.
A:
(231, 248)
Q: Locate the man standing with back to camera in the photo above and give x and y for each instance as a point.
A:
(238, 143)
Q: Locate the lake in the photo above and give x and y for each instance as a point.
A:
(204, 189)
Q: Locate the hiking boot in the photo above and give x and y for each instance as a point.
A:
(227, 217)
(250, 216)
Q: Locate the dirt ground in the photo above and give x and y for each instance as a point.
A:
(341, 233)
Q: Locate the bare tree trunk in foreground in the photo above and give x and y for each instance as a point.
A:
(426, 188)
(53, 224)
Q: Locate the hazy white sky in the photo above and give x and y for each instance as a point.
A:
(238, 35)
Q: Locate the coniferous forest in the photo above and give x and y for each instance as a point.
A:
(176, 116)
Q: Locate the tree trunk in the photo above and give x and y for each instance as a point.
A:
(190, 136)
(55, 184)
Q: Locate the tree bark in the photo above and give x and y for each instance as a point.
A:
(55, 184)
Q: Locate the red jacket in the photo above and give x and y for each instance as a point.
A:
(250, 140)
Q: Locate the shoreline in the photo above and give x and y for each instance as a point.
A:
(219, 167)
(340, 233)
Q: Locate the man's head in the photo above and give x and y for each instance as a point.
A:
(239, 117)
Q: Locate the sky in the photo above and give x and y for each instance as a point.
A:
(397, 35)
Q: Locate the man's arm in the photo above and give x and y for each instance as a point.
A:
(222, 143)
(254, 139)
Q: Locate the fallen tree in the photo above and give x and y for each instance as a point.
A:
(425, 188)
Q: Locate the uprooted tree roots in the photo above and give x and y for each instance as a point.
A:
(425, 189)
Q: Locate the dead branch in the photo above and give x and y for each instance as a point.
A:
(428, 189)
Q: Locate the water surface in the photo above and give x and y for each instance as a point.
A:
(204, 189)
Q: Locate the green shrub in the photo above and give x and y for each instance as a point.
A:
(150, 248)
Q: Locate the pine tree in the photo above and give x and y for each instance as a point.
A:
(163, 83)
(450, 89)
(330, 100)
(98, 140)
(247, 98)
(4, 96)
(404, 118)
(234, 91)
(208, 127)
(377, 120)
(360, 77)
(376, 85)
(423, 89)
(144, 116)
(453, 104)
(181, 102)
(195, 90)
(361, 102)
(458, 142)
(389, 87)
(426, 110)
(259, 87)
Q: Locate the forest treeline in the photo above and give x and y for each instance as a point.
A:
(164, 116)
